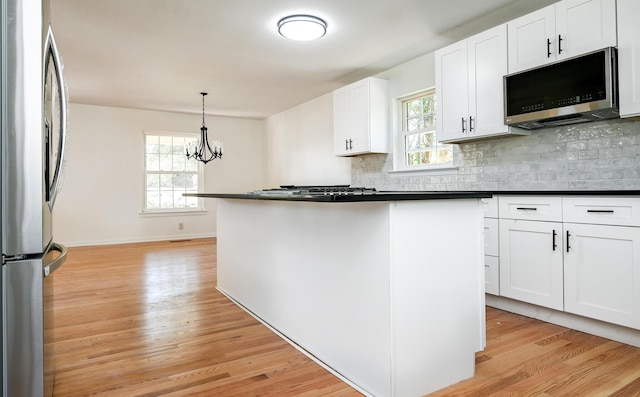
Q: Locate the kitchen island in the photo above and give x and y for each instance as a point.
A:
(384, 289)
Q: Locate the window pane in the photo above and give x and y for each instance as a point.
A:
(178, 200)
(153, 162)
(412, 142)
(191, 202)
(428, 139)
(153, 199)
(429, 120)
(191, 165)
(413, 158)
(152, 144)
(191, 182)
(153, 181)
(166, 199)
(166, 162)
(445, 155)
(414, 108)
(179, 162)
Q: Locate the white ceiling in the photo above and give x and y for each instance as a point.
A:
(160, 54)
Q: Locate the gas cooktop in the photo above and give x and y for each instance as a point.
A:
(316, 190)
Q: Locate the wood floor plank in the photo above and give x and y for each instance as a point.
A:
(145, 319)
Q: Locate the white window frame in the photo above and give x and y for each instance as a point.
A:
(400, 154)
(200, 209)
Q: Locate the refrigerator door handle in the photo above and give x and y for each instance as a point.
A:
(50, 267)
(53, 56)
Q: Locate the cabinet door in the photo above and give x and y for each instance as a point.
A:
(629, 57)
(531, 262)
(360, 117)
(486, 67)
(532, 40)
(341, 120)
(452, 85)
(584, 25)
(602, 273)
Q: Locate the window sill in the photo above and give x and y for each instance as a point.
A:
(172, 213)
(430, 171)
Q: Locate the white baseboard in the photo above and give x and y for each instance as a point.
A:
(603, 329)
(135, 240)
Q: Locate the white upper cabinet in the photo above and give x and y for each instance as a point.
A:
(469, 87)
(560, 31)
(452, 92)
(530, 39)
(629, 57)
(360, 118)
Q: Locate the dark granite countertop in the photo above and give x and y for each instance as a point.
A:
(568, 192)
(343, 198)
(412, 195)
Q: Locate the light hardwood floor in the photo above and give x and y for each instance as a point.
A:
(146, 320)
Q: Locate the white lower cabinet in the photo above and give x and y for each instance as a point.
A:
(531, 262)
(578, 254)
(602, 272)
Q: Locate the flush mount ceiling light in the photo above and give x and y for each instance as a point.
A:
(302, 27)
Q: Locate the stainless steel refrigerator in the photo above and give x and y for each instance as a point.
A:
(33, 125)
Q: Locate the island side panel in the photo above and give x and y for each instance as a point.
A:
(319, 274)
(438, 312)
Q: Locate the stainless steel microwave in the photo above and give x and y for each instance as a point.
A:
(576, 90)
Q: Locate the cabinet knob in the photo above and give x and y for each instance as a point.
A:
(464, 125)
(470, 123)
(568, 246)
(548, 48)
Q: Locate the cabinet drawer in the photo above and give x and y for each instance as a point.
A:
(490, 206)
(622, 211)
(491, 237)
(541, 208)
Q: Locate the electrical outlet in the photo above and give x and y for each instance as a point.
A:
(180, 225)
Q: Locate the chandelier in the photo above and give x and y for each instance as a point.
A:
(202, 150)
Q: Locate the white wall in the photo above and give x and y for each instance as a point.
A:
(299, 142)
(102, 193)
(299, 147)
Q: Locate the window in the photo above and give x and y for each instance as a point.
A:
(418, 132)
(168, 173)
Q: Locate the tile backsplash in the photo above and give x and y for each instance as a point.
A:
(591, 156)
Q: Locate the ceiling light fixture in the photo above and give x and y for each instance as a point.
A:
(202, 150)
(302, 27)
